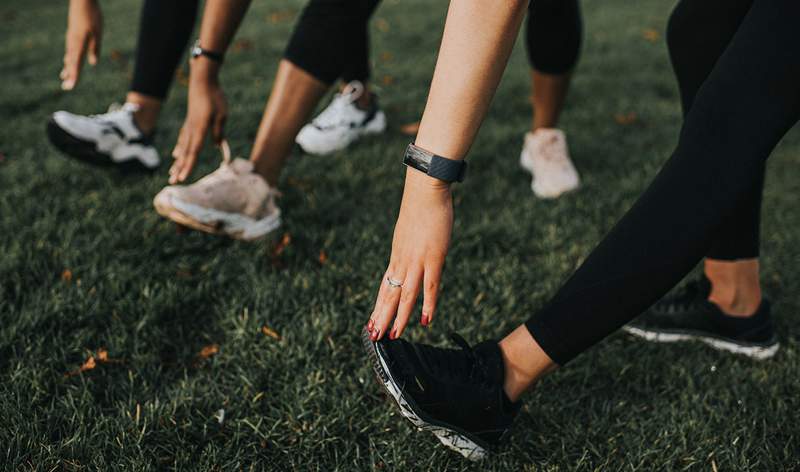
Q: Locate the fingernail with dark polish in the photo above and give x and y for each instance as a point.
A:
(393, 334)
(370, 325)
(424, 320)
(375, 334)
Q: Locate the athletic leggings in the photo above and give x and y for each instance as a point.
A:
(331, 38)
(553, 35)
(748, 101)
(164, 31)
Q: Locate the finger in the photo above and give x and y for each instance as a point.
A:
(195, 146)
(218, 130)
(73, 60)
(387, 304)
(177, 154)
(408, 298)
(430, 291)
(94, 50)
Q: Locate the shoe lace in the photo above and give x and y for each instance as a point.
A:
(685, 299)
(463, 365)
(115, 111)
(336, 112)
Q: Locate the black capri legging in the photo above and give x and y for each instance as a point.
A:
(331, 38)
(553, 35)
(735, 116)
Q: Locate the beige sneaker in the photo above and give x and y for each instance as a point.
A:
(546, 157)
(233, 200)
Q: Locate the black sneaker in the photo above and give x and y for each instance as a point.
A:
(691, 296)
(457, 394)
(702, 320)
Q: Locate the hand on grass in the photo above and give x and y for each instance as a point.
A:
(420, 244)
(207, 109)
(84, 32)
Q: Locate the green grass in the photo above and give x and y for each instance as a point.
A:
(154, 299)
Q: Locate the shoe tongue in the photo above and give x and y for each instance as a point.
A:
(241, 166)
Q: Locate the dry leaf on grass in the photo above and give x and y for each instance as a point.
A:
(242, 44)
(270, 332)
(100, 357)
(66, 275)
(286, 239)
(650, 34)
(323, 257)
(626, 118)
(208, 351)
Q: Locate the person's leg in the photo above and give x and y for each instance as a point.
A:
(331, 42)
(697, 34)
(745, 106)
(553, 38)
(238, 199)
(295, 94)
(554, 31)
(123, 137)
(164, 32)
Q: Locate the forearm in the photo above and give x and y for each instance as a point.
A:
(478, 38)
(221, 20)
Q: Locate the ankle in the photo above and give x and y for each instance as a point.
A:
(524, 361)
(735, 286)
(735, 303)
(148, 110)
(364, 102)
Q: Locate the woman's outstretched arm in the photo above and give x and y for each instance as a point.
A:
(478, 38)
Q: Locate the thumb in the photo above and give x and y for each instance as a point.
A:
(218, 128)
(94, 50)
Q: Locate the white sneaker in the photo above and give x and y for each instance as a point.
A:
(110, 139)
(341, 123)
(546, 156)
(233, 200)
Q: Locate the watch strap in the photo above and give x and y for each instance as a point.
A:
(438, 167)
(197, 51)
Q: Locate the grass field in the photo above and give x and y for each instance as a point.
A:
(184, 325)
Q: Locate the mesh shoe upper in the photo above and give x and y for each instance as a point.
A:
(232, 188)
(460, 388)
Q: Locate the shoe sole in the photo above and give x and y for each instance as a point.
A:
(86, 151)
(448, 435)
(217, 222)
(759, 352)
(376, 126)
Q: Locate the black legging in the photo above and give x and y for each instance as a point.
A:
(331, 38)
(694, 50)
(164, 31)
(745, 105)
(553, 35)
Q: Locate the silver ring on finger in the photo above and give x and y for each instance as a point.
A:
(394, 283)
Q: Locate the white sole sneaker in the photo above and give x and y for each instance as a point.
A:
(208, 220)
(759, 352)
(446, 434)
(107, 152)
(317, 148)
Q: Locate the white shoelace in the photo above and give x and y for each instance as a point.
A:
(336, 113)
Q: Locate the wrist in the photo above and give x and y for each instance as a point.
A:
(203, 69)
(419, 181)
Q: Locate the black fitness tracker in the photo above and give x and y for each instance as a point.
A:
(438, 167)
(198, 51)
